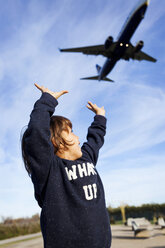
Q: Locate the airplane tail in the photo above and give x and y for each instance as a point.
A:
(97, 78)
(98, 68)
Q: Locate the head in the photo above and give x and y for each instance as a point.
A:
(65, 142)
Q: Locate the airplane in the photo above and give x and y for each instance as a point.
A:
(121, 48)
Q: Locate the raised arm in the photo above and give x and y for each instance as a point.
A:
(38, 147)
(96, 133)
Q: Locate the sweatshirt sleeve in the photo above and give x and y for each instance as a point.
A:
(95, 138)
(38, 147)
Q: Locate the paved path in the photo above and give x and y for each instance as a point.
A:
(26, 241)
(24, 237)
(123, 237)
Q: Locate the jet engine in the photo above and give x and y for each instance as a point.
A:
(108, 42)
(139, 46)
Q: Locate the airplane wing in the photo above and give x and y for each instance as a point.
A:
(93, 50)
(131, 54)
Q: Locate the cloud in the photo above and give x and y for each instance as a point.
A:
(16, 190)
(137, 121)
(135, 106)
(134, 183)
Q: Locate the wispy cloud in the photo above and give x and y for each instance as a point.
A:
(140, 110)
(134, 104)
(134, 183)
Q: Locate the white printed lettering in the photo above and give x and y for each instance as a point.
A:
(90, 191)
(82, 170)
(91, 169)
(71, 173)
(95, 190)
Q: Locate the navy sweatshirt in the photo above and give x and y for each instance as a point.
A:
(70, 193)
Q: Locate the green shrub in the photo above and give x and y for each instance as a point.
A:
(149, 211)
(16, 227)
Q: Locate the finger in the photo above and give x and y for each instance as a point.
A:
(89, 107)
(38, 87)
(62, 93)
(58, 94)
(91, 104)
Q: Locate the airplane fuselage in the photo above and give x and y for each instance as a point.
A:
(124, 37)
(119, 49)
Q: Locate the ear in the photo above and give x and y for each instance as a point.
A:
(60, 148)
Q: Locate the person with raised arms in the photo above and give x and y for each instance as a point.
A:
(67, 185)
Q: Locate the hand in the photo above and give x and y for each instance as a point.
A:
(97, 110)
(54, 94)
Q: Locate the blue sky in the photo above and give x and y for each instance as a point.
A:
(132, 160)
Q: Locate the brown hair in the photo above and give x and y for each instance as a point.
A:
(57, 125)
(24, 156)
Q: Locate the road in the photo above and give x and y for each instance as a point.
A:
(123, 237)
(26, 241)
